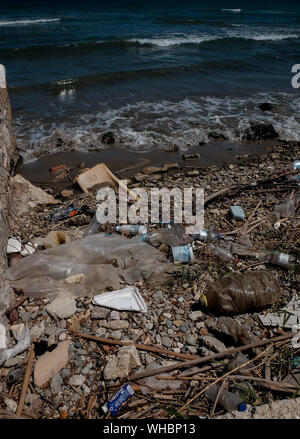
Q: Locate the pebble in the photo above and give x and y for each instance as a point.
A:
(169, 324)
(116, 334)
(117, 324)
(166, 341)
(196, 315)
(85, 370)
(100, 313)
(78, 362)
(55, 384)
(62, 307)
(15, 361)
(77, 380)
(51, 330)
(101, 332)
(213, 343)
(191, 340)
(11, 405)
(115, 315)
(192, 349)
(62, 336)
(25, 316)
(183, 328)
(65, 372)
(158, 296)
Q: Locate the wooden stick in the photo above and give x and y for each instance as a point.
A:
(142, 347)
(283, 387)
(244, 228)
(26, 381)
(199, 360)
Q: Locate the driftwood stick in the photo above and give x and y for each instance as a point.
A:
(199, 360)
(26, 381)
(142, 347)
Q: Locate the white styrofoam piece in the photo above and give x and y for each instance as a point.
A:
(127, 299)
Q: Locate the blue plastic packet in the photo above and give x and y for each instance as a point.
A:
(119, 398)
(183, 253)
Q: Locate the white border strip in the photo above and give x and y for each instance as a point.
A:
(2, 76)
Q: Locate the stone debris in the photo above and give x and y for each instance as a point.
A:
(51, 363)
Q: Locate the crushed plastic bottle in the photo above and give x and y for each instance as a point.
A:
(246, 292)
(295, 166)
(226, 399)
(221, 252)
(129, 229)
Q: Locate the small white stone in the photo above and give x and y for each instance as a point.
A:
(77, 380)
(62, 336)
(11, 405)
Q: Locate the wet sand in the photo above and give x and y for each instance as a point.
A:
(126, 162)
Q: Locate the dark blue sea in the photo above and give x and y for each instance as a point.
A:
(158, 73)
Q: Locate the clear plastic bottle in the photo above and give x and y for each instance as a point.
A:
(226, 399)
(92, 228)
(287, 209)
(207, 234)
(221, 252)
(172, 235)
(130, 229)
(283, 259)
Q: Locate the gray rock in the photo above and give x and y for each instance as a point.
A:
(51, 330)
(169, 324)
(117, 324)
(101, 332)
(15, 361)
(116, 334)
(192, 349)
(196, 315)
(62, 307)
(213, 343)
(55, 384)
(78, 362)
(65, 372)
(191, 340)
(25, 316)
(77, 380)
(114, 315)
(166, 341)
(86, 370)
(11, 405)
(183, 327)
(1, 388)
(158, 296)
(100, 312)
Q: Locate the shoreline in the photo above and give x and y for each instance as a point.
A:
(126, 162)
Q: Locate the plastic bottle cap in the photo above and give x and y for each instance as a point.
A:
(242, 407)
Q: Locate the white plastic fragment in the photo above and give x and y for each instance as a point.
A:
(127, 299)
(21, 346)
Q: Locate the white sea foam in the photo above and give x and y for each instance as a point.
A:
(162, 124)
(232, 10)
(26, 22)
(173, 40)
(270, 37)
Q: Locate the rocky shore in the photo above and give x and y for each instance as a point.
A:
(175, 324)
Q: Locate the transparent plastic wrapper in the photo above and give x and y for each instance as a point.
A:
(127, 299)
(226, 399)
(101, 260)
(93, 227)
(21, 346)
(246, 292)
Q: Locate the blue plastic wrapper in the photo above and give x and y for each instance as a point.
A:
(119, 398)
(183, 253)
